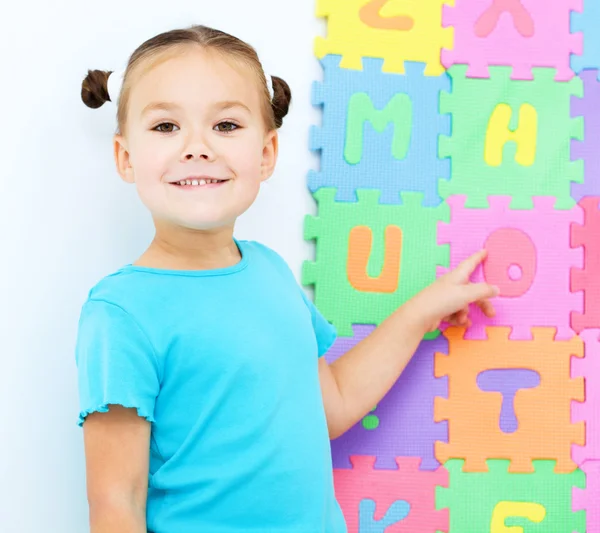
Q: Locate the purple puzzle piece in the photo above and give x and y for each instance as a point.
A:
(588, 149)
(406, 425)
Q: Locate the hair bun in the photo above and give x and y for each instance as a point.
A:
(282, 96)
(94, 88)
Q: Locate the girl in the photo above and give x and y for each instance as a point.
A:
(206, 404)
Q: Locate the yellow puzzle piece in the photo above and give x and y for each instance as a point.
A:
(393, 30)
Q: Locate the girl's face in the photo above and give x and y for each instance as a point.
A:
(195, 118)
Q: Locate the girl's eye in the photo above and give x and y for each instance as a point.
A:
(165, 127)
(226, 127)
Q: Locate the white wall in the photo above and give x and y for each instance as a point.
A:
(66, 218)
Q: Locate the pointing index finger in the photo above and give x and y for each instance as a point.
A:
(468, 265)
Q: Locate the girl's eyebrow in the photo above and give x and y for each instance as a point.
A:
(228, 104)
(160, 106)
(171, 106)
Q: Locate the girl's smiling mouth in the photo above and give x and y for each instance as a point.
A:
(200, 182)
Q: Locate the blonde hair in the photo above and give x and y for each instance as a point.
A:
(94, 88)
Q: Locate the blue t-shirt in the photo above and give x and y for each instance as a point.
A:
(224, 364)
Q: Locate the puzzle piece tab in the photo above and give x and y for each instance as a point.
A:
(587, 279)
(588, 150)
(529, 259)
(587, 23)
(370, 257)
(522, 34)
(379, 131)
(588, 412)
(405, 414)
(393, 30)
(587, 500)
(543, 413)
(511, 138)
(498, 501)
(406, 483)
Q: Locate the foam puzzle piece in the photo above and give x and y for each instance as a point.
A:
(406, 483)
(529, 259)
(405, 425)
(519, 33)
(511, 137)
(379, 131)
(500, 502)
(394, 30)
(588, 412)
(587, 500)
(587, 279)
(587, 23)
(587, 150)
(543, 413)
(371, 258)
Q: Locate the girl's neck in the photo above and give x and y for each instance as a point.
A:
(191, 250)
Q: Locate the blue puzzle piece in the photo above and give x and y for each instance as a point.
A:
(398, 511)
(587, 22)
(400, 123)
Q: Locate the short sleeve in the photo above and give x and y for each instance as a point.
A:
(116, 363)
(325, 332)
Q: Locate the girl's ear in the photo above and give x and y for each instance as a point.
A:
(122, 160)
(269, 155)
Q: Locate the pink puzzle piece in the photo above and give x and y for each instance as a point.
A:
(588, 367)
(518, 33)
(529, 259)
(387, 487)
(587, 279)
(588, 499)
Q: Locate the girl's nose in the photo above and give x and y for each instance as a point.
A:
(197, 148)
(189, 156)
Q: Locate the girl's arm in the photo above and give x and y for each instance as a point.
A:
(117, 447)
(356, 382)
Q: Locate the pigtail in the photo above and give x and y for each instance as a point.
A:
(282, 97)
(94, 88)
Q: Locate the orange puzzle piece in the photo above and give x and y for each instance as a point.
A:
(543, 412)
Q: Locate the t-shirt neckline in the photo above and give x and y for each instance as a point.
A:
(240, 265)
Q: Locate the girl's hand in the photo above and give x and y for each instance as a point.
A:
(447, 299)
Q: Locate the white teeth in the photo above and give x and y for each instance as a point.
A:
(198, 182)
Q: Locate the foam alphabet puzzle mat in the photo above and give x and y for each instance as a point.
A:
(448, 126)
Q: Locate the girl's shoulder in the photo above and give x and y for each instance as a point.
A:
(118, 282)
(259, 249)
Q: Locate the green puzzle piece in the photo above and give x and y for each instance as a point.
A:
(541, 105)
(539, 502)
(420, 255)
